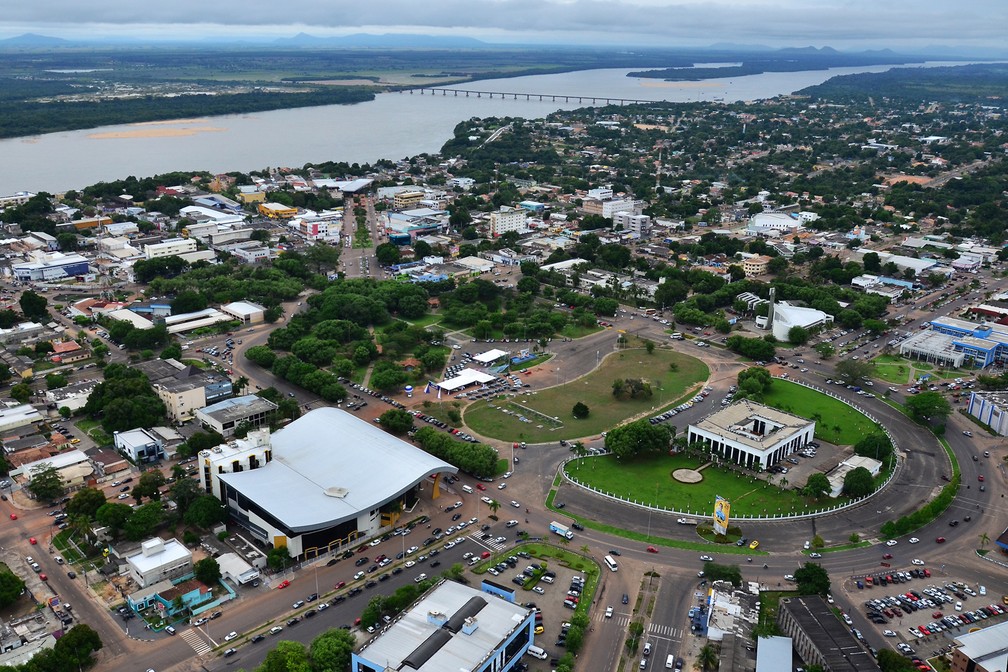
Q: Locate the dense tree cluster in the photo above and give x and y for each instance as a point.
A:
(634, 438)
(631, 388)
(756, 349)
(812, 579)
(473, 458)
(124, 400)
(753, 383)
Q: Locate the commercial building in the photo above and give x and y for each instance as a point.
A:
(507, 219)
(170, 248)
(990, 408)
(751, 434)
(757, 265)
(225, 416)
(74, 467)
(21, 332)
(183, 388)
(452, 627)
(20, 415)
(342, 491)
(820, 638)
(183, 322)
(952, 342)
(50, 266)
(774, 224)
(407, 199)
(73, 396)
(773, 654)
(639, 225)
(276, 210)
(985, 650)
(236, 570)
(245, 311)
(139, 445)
(159, 560)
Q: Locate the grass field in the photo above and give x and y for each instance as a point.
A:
(595, 391)
(650, 479)
(836, 422)
(94, 429)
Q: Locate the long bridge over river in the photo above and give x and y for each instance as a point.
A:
(551, 97)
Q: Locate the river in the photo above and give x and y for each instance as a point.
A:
(393, 126)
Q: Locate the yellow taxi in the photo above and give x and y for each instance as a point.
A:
(754, 544)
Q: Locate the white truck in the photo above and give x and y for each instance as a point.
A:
(562, 530)
(688, 521)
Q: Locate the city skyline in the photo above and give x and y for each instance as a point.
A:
(856, 24)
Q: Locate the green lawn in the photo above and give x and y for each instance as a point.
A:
(94, 429)
(594, 390)
(836, 422)
(649, 479)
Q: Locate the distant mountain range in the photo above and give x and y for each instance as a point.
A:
(33, 40)
(420, 41)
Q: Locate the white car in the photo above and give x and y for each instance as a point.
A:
(538, 589)
(891, 542)
(231, 635)
(608, 612)
(420, 578)
(515, 504)
(913, 540)
(916, 561)
(888, 633)
(410, 563)
(412, 549)
(501, 486)
(706, 558)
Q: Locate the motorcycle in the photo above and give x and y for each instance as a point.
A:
(748, 559)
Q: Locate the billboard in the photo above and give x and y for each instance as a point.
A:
(722, 509)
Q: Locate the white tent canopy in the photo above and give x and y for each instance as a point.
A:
(464, 378)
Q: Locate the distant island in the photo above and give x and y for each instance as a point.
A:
(782, 60)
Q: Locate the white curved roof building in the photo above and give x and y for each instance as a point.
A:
(325, 479)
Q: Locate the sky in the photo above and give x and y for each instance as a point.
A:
(843, 24)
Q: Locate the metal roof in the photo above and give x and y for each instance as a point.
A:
(328, 466)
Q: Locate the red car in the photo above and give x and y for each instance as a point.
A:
(652, 549)
(485, 554)
(284, 584)
(339, 585)
(32, 541)
(13, 516)
(887, 556)
(940, 540)
(43, 577)
(480, 486)
(937, 614)
(980, 478)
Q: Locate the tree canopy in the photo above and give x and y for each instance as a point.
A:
(634, 438)
(812, 579)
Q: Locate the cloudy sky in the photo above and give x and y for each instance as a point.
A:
(899, 24)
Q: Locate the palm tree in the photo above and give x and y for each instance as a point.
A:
(240, 384)
(585, 549)
(565, 542)
(707, 658)
(984, 540)
(494, 505)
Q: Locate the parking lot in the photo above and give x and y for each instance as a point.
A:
(920, 613)
(550, 588)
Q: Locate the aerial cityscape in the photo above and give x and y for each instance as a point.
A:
(349, 341)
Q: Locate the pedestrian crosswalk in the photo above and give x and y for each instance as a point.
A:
(489, 543)
(196, 641)
(657, 629)
(666, 631)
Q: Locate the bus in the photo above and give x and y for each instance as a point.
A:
(610, 563)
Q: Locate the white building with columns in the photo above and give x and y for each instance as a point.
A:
(751, 434)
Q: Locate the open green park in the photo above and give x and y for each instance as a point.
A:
(900, 371)
(649, 479)
(836, 422)
(671, 376)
